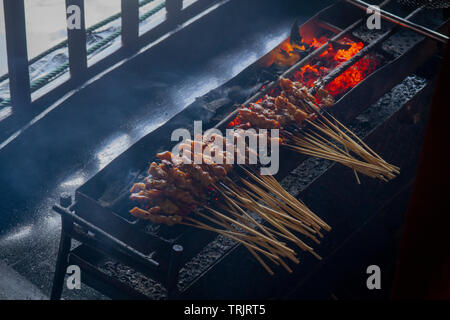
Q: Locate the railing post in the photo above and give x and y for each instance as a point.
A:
(130, 23)
(16, 48)
(76, 38)
(173, 8)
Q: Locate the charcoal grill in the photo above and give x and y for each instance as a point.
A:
(98, 217)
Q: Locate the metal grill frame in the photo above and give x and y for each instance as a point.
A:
(110, 242)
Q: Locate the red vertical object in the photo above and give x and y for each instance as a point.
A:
(423, 268)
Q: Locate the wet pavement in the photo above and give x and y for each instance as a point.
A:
(82, 135)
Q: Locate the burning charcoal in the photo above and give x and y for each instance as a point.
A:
(303, 51)
(340, 46)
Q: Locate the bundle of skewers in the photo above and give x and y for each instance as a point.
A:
(307, 128)
(232, 200)
(235, 200)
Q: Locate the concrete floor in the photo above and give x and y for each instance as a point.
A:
(68, 146)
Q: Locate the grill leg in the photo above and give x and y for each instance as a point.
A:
(174, 268)
(61, 263)
(65, 243)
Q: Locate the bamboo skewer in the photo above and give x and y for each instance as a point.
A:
(230, 208)
(243, 226)
(364, 144)
(363, 147)
(282, 222)
(251, 242)
(275, 212)
(338, 158)
(278, 246)
(304, 146)
(344, 162)
(275, 223)
(227, 234)
(354, 170)
(323, 138)
(264, 265)
(277, 233)
(316, 145)
(289, 199)
(256, 209)
(256, 241)
(297, 228)
(267, 199)
(272, 181)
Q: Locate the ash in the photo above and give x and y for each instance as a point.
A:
(134, 279)
(391, 102)
(210, 254)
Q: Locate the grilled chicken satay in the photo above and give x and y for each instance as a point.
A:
(177, 185)
(292, 106)
(174, 188)
(230, 144)
(298, 94)
(168, 190)
(258, 120)
(285, 113)
(295, 90)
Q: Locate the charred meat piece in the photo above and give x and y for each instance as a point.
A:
(176, 186)
(325, 97)
(257, 120)
(154, 215)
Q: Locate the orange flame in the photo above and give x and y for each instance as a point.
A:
(327, 61)
(343, 55)
(286, 53)
(331, 59)
(353, 75)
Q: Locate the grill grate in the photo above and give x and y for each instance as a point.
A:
(429, 4)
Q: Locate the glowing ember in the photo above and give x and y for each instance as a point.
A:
(287, 53)
(327, 61)
(331, 58)
(290, 49)
(353, 75)
(308, 74)
(236, 122)
(343, 55)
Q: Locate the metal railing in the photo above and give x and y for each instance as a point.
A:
(20, 85)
